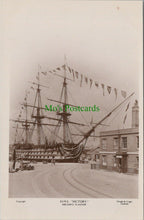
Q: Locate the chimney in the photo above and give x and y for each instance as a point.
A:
(135, 115)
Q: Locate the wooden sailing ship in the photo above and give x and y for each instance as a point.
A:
(62, 148)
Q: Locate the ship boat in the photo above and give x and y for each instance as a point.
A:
(62, 148)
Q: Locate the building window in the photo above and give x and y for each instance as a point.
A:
(104, 144)
(104, 160)
(137, 141)
(97, 157)
(124, 142)
(116, 143)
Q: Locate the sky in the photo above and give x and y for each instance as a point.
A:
(100, 39)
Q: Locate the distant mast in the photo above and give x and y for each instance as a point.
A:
(64, 114)
(26, 125)
(38, 115)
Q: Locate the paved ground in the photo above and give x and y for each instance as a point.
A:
(71, 180)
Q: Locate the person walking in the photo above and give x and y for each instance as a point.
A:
(53, 161)
(120, 168)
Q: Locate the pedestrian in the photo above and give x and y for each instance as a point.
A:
(54, 161)
(119, 166)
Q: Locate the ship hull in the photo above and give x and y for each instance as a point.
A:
(58, 155)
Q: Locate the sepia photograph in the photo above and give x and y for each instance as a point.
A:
(75, 82)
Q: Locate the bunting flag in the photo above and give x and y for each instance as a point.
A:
(109, 89)
(91, 81)
(64, 67)
(73, 75)
(44, 73)
(103, 88)
(96, 84)
(123, 93)
(125, 119)
(81, 80)
(86, 79)
(69, 69)
(76, 74)
(115, 90)
(127, 106)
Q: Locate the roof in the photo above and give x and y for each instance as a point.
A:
(120, 132)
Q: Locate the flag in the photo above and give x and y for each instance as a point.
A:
(86, 79)
(127, 106)
(64, 67)
(125, 119)
(91, 81)
(76, 74)
(96, 84)
(81, 80)
(115, 90)
(109, 89)
(103, 88)
(69, 69)
(123, 93)
(73, 75)
(44, 73)
(58, 68)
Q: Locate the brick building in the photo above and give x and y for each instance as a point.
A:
(119, 149)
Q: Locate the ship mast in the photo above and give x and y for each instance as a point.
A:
(64, 114)
(38, 115)
(26, 125)
(65, 119)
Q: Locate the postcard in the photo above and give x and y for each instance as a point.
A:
(71, 110)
